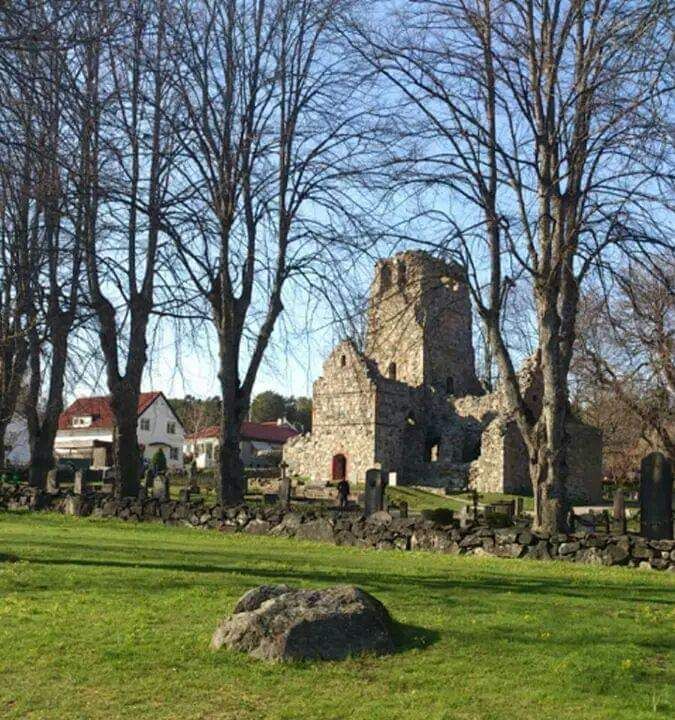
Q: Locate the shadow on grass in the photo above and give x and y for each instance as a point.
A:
(450, 585)
(412, 637)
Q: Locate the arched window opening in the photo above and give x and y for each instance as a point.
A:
(432, 450)
(385, 278)
(339, 470)
(449, 386)
(343, 360)
(402, 274)
(391, 372)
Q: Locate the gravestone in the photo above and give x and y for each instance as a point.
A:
(80, 482)
(619, 512)
(160, 488)
(375, 484)
(392, 479)
(403, 508)
(53, 482)
(285, 492)
(148, 477)
(520, 506)
(656, 497)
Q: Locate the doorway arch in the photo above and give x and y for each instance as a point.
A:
(339, 469)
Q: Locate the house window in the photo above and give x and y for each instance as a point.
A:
(145, 424)
(173, 453)
(392, 371)
(82, 421)
(209, 451)
(171, 428)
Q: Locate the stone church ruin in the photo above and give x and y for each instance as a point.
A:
(411, 402)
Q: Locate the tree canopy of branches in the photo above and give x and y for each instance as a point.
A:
(547, 121)
(625, 354)
(266, 141)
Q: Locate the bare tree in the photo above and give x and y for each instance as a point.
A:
(39, 73)
(125, 128)
(625, 349)
(546, 120)
(270, 106)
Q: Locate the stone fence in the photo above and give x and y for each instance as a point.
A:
(381, 530)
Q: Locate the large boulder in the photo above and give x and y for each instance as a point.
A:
(276, 622)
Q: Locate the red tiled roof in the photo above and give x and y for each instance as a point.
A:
(262, 432)
(99, 409)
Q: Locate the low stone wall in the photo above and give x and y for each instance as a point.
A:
(381, 530)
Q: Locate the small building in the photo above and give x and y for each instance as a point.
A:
(260, 443)
(87, 430)
(17, 444)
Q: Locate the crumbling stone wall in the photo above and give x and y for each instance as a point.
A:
(503, 464)
(343, 419)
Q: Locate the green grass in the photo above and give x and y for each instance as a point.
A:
(420, 499)
(102, 619)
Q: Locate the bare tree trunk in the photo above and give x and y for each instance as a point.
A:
(42, 432)
(126, 452)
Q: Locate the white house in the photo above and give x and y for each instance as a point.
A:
(87, 429)
(17, 446)
(258, 440)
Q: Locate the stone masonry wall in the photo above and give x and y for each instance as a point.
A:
(343, 420)
(380, 531)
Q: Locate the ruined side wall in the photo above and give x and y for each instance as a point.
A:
(398, 433)
(343, 420)
(503, 465)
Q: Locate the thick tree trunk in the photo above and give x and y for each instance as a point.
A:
(125, 447)
(230, 480)
(548, 437)
(43, 430)
(3, 431)
(41, 458)
(547, 472)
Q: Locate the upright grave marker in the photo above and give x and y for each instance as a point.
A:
(53, 482)
(375, 484)
(80, 482)
(656, 497)
(619, 511)
(160, 488)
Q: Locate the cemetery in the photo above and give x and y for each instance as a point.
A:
(337, 360)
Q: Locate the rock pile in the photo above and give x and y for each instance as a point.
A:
(276, 622)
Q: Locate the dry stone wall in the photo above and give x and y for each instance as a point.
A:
(382, 531)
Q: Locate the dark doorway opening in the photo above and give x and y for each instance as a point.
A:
(392, 371)
(449, 386)
(339, 467)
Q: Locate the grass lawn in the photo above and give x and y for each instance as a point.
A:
(420, 500)
(102, 619)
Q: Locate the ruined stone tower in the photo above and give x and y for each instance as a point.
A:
(419, 324)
